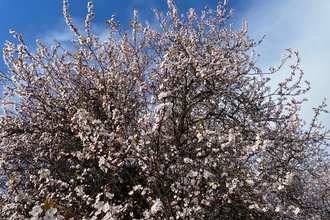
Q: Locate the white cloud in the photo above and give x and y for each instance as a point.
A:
(302, 26)
(62, 33)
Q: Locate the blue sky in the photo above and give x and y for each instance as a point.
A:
(302, 25)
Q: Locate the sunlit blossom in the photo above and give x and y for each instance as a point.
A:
(173, 121)
(37, 210)
(156, 207)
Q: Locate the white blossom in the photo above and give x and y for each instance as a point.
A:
(156, 207)
(37, 210)
(50, 214)
(174, 121)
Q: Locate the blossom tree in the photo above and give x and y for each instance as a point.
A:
(168, 122)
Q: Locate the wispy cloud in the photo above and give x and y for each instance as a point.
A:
(302, 26)
(62, 33)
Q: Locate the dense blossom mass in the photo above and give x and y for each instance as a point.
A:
(173, 121)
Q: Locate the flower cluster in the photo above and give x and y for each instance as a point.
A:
(170, 123)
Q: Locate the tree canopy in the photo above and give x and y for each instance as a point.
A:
(174, 121)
